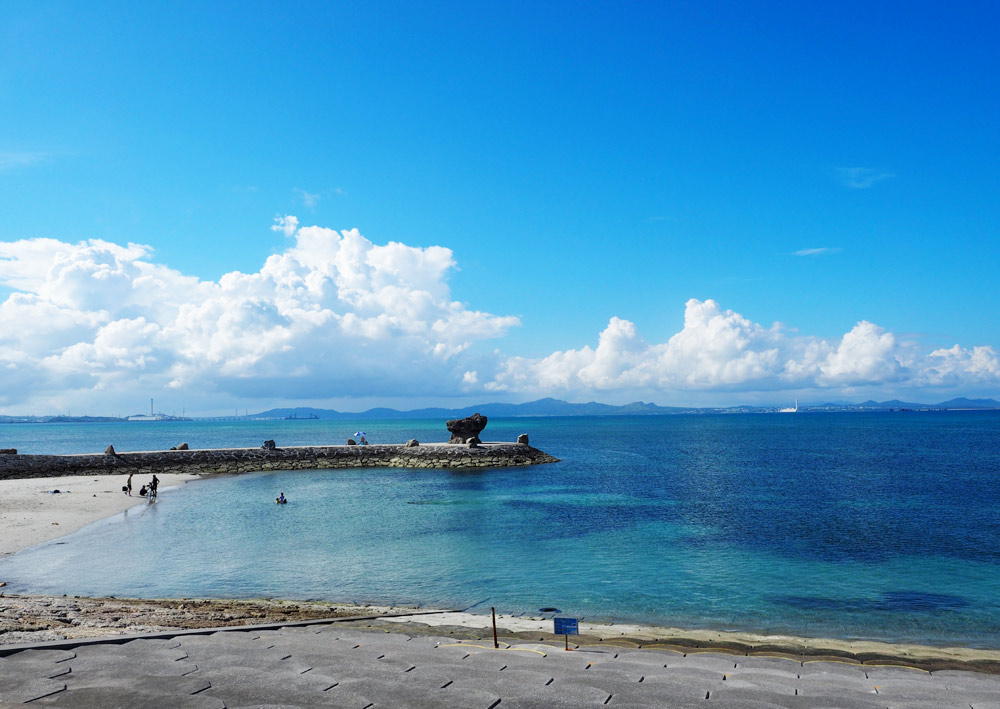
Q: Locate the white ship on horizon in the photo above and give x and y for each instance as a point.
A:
(791, 410)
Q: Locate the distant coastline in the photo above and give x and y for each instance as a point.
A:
(539, 407)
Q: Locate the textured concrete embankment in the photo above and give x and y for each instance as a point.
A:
(248, 460)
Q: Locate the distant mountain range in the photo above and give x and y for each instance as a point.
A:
(545, 407)
(557, 407)
(959, 403)
(541, 407)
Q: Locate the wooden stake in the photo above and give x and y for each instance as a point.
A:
(493, 612)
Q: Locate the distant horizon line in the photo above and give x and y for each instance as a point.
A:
(637, 407)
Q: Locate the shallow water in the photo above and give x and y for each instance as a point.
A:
(843, 525)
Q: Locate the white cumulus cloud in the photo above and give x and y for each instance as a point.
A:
(955, 366)
(720, 350)
(286, 224)
(334, 315)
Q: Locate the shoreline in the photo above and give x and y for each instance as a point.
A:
(30, 514)
(688, 640)
(27, 620)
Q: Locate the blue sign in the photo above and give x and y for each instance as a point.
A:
(566, 626)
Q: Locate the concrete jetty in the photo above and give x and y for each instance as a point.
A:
(248, 460)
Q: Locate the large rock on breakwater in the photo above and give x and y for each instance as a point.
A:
(462, 430)
(248, 460)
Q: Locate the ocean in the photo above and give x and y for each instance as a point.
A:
(849, 525)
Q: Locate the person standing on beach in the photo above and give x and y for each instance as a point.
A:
(154, 483)
(128, 485)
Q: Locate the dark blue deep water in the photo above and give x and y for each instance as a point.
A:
(879, 525)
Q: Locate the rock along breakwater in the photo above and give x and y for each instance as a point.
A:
(250, 460)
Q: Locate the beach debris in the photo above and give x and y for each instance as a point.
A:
(110, 450)
(269, 445)
(463, 429)
(412, 443)
(351, 442)
(8, 451)
(523, 439)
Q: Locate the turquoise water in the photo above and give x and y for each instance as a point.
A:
(846, 525)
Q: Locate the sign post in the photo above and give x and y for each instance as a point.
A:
(566, 627)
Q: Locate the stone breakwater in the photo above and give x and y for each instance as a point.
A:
(251, 460)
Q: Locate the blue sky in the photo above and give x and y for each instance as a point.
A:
(602, 168)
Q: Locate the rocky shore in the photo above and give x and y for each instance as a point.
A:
(35, 619)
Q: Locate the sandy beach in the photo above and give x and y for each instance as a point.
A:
(31, 513)
(687, 639)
